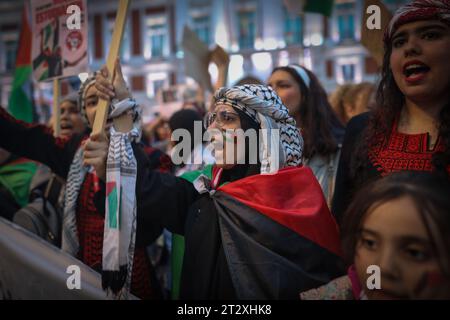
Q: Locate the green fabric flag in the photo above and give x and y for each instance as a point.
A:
(178, 240)
(16, 178)
(324, 7)
(20, 103)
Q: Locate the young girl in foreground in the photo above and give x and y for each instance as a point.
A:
(402, 225)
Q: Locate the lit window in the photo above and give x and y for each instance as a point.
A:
(247, 29)
(346, 27)
(262, 61)
(201, 28)
(236, 68)
(157, 35)
(348, 72)
(9, 42)
(155, 82)
(125, 44)
(10, 54)
(346, 20)
(292, 28)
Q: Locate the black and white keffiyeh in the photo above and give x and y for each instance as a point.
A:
(264, 106)
(120, 203)
(120, 213)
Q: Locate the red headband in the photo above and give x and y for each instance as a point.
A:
(416, 11)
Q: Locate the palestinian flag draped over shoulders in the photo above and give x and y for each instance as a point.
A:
(274, 226)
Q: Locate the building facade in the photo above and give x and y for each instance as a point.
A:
(258, 34)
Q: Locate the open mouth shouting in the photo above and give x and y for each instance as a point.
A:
(415, 71)
(66, 128)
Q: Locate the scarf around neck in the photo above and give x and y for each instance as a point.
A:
(120, 205)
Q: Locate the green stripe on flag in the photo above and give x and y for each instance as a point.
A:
(16, 178)
(120, 208)
(178, 240)
(177, 263)
(20, 104)
(324, 7)
(112, 208)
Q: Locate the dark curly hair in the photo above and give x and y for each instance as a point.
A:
(389, 103)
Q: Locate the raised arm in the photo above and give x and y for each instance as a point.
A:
(163, 200)
(36, 142)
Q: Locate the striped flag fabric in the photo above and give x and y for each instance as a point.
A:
(20, 103)
(306, 248)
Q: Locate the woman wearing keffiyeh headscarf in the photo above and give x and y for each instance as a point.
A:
(409, 128)
(110, 243)
(252, 229)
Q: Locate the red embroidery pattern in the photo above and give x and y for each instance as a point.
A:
(401, 151)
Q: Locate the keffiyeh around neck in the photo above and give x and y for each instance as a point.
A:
(416, 11)
(120, 209)
(120, 213)
(263, 105)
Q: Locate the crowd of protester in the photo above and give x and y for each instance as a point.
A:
(360, 178)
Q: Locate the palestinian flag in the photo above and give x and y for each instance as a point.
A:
(324, 7)
(277, 231)
(16, 175)
(20, 103)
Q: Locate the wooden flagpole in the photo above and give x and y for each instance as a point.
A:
(56, 109)
(119, 26)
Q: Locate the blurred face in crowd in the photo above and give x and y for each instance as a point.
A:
(163, 131)
(419, 60)
(394, 238)
(90, 101)
(224, 118)
(287, 89)
(71, 119)
(359, 103)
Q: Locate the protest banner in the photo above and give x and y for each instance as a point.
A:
(59, 42)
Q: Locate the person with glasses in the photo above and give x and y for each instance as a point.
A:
(249, 231)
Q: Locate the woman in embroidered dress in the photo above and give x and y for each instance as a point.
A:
(400, 225)
(410, 126)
